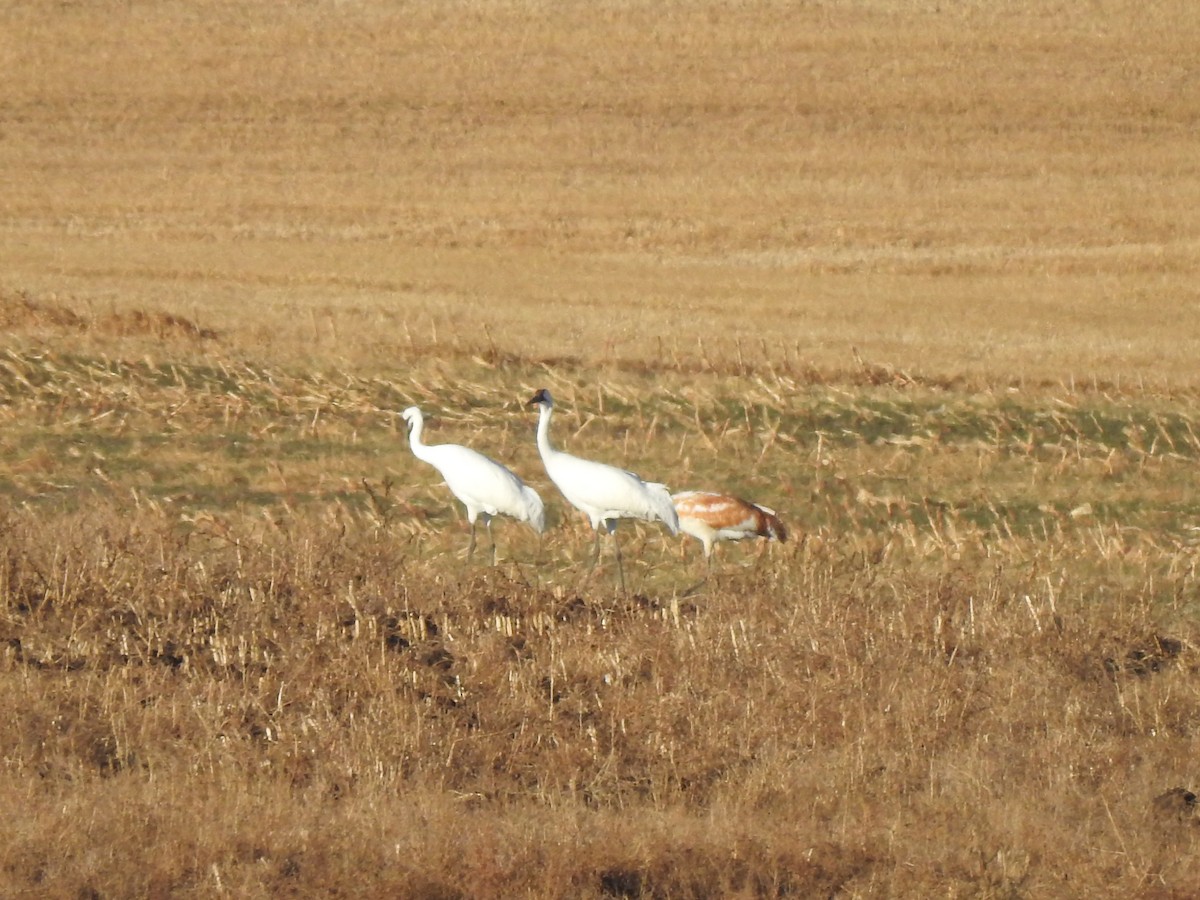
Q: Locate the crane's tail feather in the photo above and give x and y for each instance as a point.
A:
(662, 507)
(535, 508)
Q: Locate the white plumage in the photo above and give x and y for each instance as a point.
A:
(484, 486)
(602, 492)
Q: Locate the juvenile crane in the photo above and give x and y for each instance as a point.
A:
(710, 517)
(484, 486)
(602, 492)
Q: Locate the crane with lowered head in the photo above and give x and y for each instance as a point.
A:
(710, 517)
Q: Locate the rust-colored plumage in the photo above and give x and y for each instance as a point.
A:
(710, 517)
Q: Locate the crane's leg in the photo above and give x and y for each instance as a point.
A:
(688, 591)
(610, 525)
(492, 535)
(617, 550)
(595, 551)
(471, 542)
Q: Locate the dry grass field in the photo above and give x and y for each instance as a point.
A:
(921, 276)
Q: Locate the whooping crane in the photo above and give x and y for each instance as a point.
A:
(602, 492)
(484, 486)
(710, 517)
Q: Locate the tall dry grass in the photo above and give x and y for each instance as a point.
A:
(304, 707)
(243, 653)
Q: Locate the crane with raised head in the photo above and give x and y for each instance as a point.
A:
(484, 486)
(604, 493)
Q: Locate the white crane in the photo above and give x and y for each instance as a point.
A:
(710, 517)
(484, 486)
(602, 492)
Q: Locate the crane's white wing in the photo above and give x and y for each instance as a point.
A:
(484, 485)
(607, 492)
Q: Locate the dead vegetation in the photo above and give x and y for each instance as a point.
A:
(962, 678)
(51, 317)
(835, 720)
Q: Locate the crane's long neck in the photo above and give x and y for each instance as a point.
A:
(543, 431)
(420, 451)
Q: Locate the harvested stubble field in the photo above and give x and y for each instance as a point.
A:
(921, 276)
